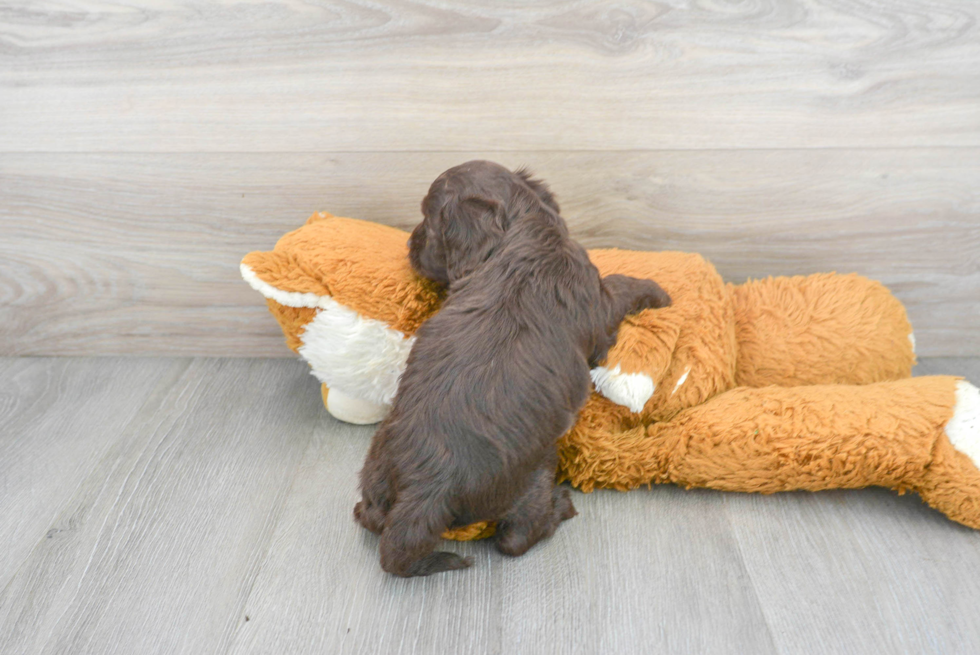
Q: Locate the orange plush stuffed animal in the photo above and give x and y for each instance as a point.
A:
(773, 385)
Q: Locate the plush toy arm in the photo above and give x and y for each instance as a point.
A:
(624, 295)
(667, 359)
(920, 434)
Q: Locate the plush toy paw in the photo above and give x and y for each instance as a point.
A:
(963, 428)
(952, 481)
(347, 408)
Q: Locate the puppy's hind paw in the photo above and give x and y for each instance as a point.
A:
(436, 562)
(369, 516)
(564, 509)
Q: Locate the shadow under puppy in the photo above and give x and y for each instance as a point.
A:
(494, 378)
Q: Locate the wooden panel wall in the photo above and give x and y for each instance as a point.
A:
(145, 147)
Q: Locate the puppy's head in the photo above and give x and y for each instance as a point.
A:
(465, 215)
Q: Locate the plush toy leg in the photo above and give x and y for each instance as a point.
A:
(347, 408)
(820, 329)
(915, 434)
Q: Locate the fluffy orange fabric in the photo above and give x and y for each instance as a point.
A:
(789, 331)
(773, 385)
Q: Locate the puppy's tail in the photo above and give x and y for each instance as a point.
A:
(411, 534)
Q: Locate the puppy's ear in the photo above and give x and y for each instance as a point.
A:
(540, 189)
(474, 228)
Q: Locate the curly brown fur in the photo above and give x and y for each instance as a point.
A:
(496, 377)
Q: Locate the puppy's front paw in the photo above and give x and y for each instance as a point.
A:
(654, 298)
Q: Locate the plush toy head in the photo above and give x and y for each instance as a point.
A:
(347, 301)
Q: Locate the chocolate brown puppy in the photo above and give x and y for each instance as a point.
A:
(496, 377)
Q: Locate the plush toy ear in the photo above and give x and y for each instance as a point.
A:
(473, 229)
(278, 276)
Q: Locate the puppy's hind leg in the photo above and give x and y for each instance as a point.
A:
(376, 496)
(412, 532)
(536, 515)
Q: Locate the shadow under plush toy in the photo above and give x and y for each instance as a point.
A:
(774, 385)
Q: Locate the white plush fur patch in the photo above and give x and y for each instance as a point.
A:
(681, 381)
(362, 357)
(963, 429)
(631, 390)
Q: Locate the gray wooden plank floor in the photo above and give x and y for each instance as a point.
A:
(203, 506)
